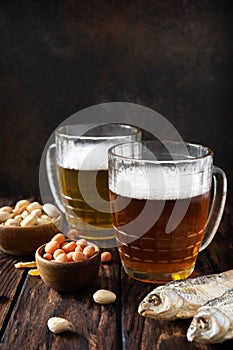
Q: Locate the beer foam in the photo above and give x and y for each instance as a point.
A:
(151, 183)
(86, 157)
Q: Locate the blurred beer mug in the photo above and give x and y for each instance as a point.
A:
(163, 210)
(77, 169)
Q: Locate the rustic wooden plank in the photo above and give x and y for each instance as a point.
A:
(10, 281)
(95, 326)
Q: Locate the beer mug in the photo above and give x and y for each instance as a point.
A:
(77, 169)
(164, 209)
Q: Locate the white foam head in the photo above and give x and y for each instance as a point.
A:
(86, 157)
(157, 183)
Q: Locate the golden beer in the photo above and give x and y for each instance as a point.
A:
(78, 210)
(79, 183)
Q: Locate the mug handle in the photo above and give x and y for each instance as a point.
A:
(52, 176)
(217, 206)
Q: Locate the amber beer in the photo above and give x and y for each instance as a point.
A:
(160, 195)
(78, 211)
(157, 253)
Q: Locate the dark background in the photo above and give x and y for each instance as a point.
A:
(58, 57)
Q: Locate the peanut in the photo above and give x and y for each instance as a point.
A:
(21, 206)
(46, 217)
(4, 216)
(70, 256)
(58, 252)
(32, 206)
(24, 214)
(106, 257)
(48, 256)
(59, 237)
(61, 258)
(6, 208)
(82, 242)
(89, 250)
(18, 218)
(78, 256)
(11, 222)
(36, 212)
(50, 247)
(29, 220)
(103, 296)
(79, 248)
(51, 210)
(59, 325)
(69, 246)
(42, 221)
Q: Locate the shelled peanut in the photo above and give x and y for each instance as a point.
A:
(26, 214)
(60, 250)
(106, 257)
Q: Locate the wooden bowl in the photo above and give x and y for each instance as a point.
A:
(68, 276)
(23, 241)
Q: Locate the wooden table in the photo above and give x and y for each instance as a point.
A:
(27, 303)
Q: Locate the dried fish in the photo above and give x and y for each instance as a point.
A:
(213, 322)
(181, 299)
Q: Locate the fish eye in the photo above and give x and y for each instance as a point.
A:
(203, 322)
(154, 299)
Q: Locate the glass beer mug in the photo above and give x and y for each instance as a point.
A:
(163, 210)
(77, 169)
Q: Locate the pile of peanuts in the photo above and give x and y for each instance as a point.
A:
(60, 250)
(28, 214)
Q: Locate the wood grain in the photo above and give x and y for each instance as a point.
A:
(95, 326)
(10, 281)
